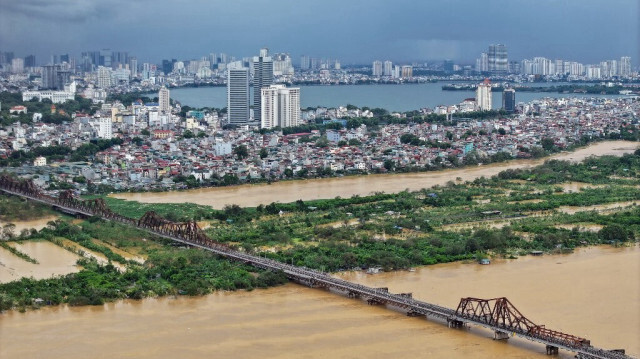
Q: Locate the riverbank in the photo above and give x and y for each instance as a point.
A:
(313, 189)
(293, 321)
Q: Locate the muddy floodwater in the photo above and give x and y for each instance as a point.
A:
(290, 191)
(52, 260)
(29, 224)
(593, 293)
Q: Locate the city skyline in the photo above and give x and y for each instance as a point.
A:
(355, 32)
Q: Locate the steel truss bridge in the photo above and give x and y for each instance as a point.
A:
(497, 314)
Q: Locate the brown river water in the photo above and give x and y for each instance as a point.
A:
(290, 191)
(593, 293)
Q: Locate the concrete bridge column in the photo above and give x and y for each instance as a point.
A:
(453, 323)
(498, 335)
(551, 350)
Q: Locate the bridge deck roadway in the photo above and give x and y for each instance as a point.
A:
(316, 278)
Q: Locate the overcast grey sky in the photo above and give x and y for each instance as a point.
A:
(355, 31)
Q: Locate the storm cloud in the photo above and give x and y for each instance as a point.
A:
(355, 31)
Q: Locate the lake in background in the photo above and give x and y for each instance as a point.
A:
(404, 97)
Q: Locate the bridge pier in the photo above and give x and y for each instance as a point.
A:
(453, 323)
(374, 301)
(353, 295)
(412, 313)
(551, 350)
(499, 335)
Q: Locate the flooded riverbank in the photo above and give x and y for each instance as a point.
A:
(52, 261)
(290, 191)
(593, 293)
(37, 224)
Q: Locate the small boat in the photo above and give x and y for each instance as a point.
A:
(484, 261)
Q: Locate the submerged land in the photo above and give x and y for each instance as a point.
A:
(554, 207)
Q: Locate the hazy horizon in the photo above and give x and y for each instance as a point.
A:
(355, 32)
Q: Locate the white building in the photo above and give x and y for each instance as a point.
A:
(40, 161)
(376, 69)
(625, 66)
(104, 77)
(237, 94)
(104, 128)
(280, 106)
(388, 68)
(222, 148)
(483, 96)
(17, 65)
(164, 103)
(54, 96)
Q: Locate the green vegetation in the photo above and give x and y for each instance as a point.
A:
(189, 272)
(557, 206)
(83, 153)
(167, 270)
(63, 110)
(18, 209)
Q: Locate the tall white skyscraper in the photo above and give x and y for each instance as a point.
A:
(280, 106)
(262, 77)
(483, 96)
(237, 94)
(376, 69)
(164, 103)
(625, 66)
(388, 68)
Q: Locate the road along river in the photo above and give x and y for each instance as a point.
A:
(290, 191)
(593, 293)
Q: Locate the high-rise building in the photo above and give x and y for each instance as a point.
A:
(133, 66)
(282, 65)
(497, 58)
(49, 76)
(615, 67)
(483, 96)
(6, 57)
(388, 68)
(164, 102)
(262, 77)
(447, 66)
(106, 56)
(625, 66)
(396, 72)
(407, 72)
(54, 77)
(280, 106)
(509, 100)
(482, 63)
(376, 69)
(514, 67)
(237, 94)
(104, 77)
(17, 65)
(30, 61)
(305, 62)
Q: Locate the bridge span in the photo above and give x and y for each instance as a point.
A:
(497, 314)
